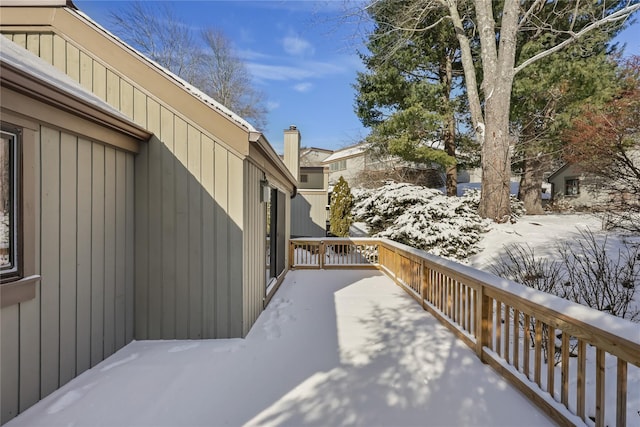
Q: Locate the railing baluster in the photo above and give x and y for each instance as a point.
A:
(516, 339)
(582, 379)
(526, 345)
(498, 347)
(621, 393)
(564, 398)
(600, 402)
(507, 330)
(551, 359)
(538, 352)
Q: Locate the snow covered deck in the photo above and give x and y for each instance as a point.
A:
(333, 347)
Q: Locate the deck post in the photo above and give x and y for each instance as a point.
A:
(321, 250)
(482, 322)
(291, 252)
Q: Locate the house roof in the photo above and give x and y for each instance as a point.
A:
(351, 151)
(45, 81)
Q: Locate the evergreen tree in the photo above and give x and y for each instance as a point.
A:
(546, 97)
(340, 210)
(405, 96)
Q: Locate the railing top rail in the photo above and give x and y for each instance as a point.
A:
(371, 240)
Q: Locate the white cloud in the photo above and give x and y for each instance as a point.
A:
(302, 71)
(272, 105)
(303, 87)
(297, 46)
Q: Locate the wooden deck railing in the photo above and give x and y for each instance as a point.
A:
(537, 341)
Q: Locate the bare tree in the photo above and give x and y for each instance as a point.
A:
(489, 51)
(205, 60)
(226, 78)
(156, 31)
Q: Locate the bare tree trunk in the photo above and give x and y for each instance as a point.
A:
(531, 185)
(497, 63)
(451, 182)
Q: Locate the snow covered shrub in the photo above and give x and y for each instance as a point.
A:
(602, 277)
(587, 271)
(517, 207)
(421, 217)
(521, 265)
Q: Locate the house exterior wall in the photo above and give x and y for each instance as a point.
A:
(189, 198)
(254, 291)
(589, 192)
(309, 213)
(315, 179)
(83, 224)
(354, 165)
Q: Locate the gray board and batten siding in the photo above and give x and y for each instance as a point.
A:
(188, 204)
(163, 241)
(84, 304)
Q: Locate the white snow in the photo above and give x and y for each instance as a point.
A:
(346, 152)
(541, 232)
(332, 348)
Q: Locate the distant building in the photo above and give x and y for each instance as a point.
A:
(309, 206)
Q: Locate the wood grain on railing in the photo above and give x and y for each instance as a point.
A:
(536, 345)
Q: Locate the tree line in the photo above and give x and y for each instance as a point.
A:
(509, 80)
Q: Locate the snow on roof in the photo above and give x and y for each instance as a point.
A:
(187, 86)
(346, 152)
(21, 59)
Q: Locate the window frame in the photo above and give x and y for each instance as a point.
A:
(19, 288)
(571, 183)
(16, 248)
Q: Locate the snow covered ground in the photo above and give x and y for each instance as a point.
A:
(333, 348)
(542, 233)
(538, 231)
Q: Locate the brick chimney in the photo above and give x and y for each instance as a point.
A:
(292, 150)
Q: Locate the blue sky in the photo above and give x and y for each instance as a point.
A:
(302, 54)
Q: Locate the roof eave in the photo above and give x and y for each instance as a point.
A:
(20, 81)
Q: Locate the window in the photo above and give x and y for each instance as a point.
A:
(571, 187)
(10, 247)
(304, 178)
(338, 166)
(275, 216)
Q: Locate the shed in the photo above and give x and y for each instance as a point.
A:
(143, 209)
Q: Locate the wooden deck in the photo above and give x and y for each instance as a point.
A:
(334, 347)
(572, 361)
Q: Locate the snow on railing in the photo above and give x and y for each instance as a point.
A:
(578, 364)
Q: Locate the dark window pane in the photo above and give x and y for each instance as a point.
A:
(7, 208)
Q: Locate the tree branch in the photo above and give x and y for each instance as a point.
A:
(614, 17)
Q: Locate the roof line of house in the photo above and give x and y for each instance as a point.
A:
(20, 73)
(186, 85)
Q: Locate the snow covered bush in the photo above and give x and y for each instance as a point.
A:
(421, 217)
(586, 270)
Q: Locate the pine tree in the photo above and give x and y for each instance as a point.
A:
(340, 210)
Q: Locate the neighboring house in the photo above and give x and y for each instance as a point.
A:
(575, 187)
(309, 207)
(356, 165)
(313, 156)
(347, 162)
(138, 205)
